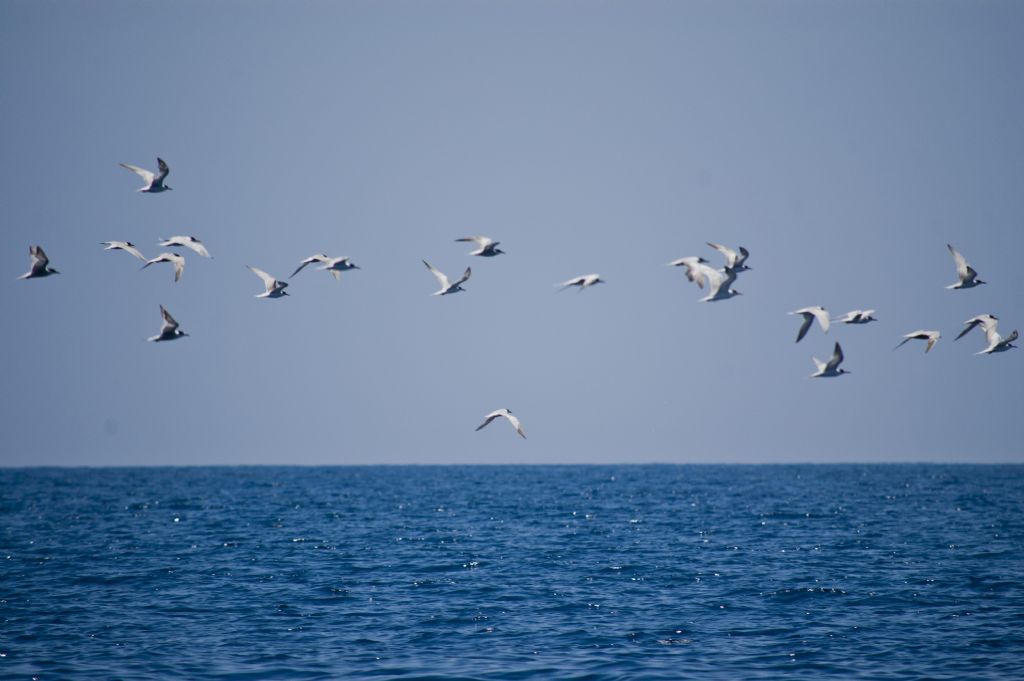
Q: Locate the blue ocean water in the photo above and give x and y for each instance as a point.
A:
(576, 572)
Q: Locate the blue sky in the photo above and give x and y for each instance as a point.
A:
(844, 144)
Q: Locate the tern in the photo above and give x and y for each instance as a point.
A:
(40, 264)
(718, 286)
(487, 247)
(186, 242)
(507, 414)
(989, 323)
(810, 314)
(733, 260)
(583, 282)
(169, 331)
(447, 286)
(333, 265)
(154, 182)
(274, 288)
(831, 368)
(968, 278)
(931, 336)
(126, 246)
(177, 260)
(856, 317)
(697, 268)
(983, 320)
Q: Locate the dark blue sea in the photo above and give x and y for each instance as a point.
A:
(520, 572)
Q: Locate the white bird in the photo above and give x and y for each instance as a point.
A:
(583, 282)
(186, 242)
(719, 285)
(447, 286)
(177, 260)
(169, 331)
(931, 336)
(274, 288)
(856, 317)
(40, 264)
(967, 277)
(126, 246)
(831, 368)
(997, 343)
(810, 314)
(697, 268)
(154, 181)
(507, 414)
(990, 324)
(733, 260)
(487, 246)
(983, 320)
(333, 265)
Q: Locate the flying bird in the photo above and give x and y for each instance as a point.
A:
(186, 242)
(333, 265)
(997, 343)
(40, 264)
(719, 285)
(990, 324)
(810, 314)
(856, 317)
(931, 336)
(447, 286)
(583, 282)
(508, 415)
(126, 246)
(487, 247)
(274, 288)
(177, 260)
(733, 260)
(169, 331)
(697, 268)
(983, 320)
(831, 368)
(154, 181)
(966, 276)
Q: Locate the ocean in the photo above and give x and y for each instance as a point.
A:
(518, 572)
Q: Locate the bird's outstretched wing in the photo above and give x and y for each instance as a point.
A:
(442, 279)
(268, 281)
(141, 172)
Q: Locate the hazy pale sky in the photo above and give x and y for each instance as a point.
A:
(843, 143)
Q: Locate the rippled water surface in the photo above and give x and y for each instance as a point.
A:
(579, 572)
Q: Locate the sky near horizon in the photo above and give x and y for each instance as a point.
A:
(843, 143)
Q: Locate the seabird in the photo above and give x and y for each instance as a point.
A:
(333, 265)
(40, 264)
(126, 246)
(177, 260)
(990, 324)
(856, 317)
(507, 414)
(487, 246)
(983, 320)
(968, 278)
(583, 282)
(186, 242)
(810, 314)
(733, 260)
(718, 286)
(931, 336)
(830, 368)
(169, 331)
(154, 182)
(697, 268)
(447, 286)
(274, 288)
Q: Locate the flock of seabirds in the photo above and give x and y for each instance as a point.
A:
(719, 283)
